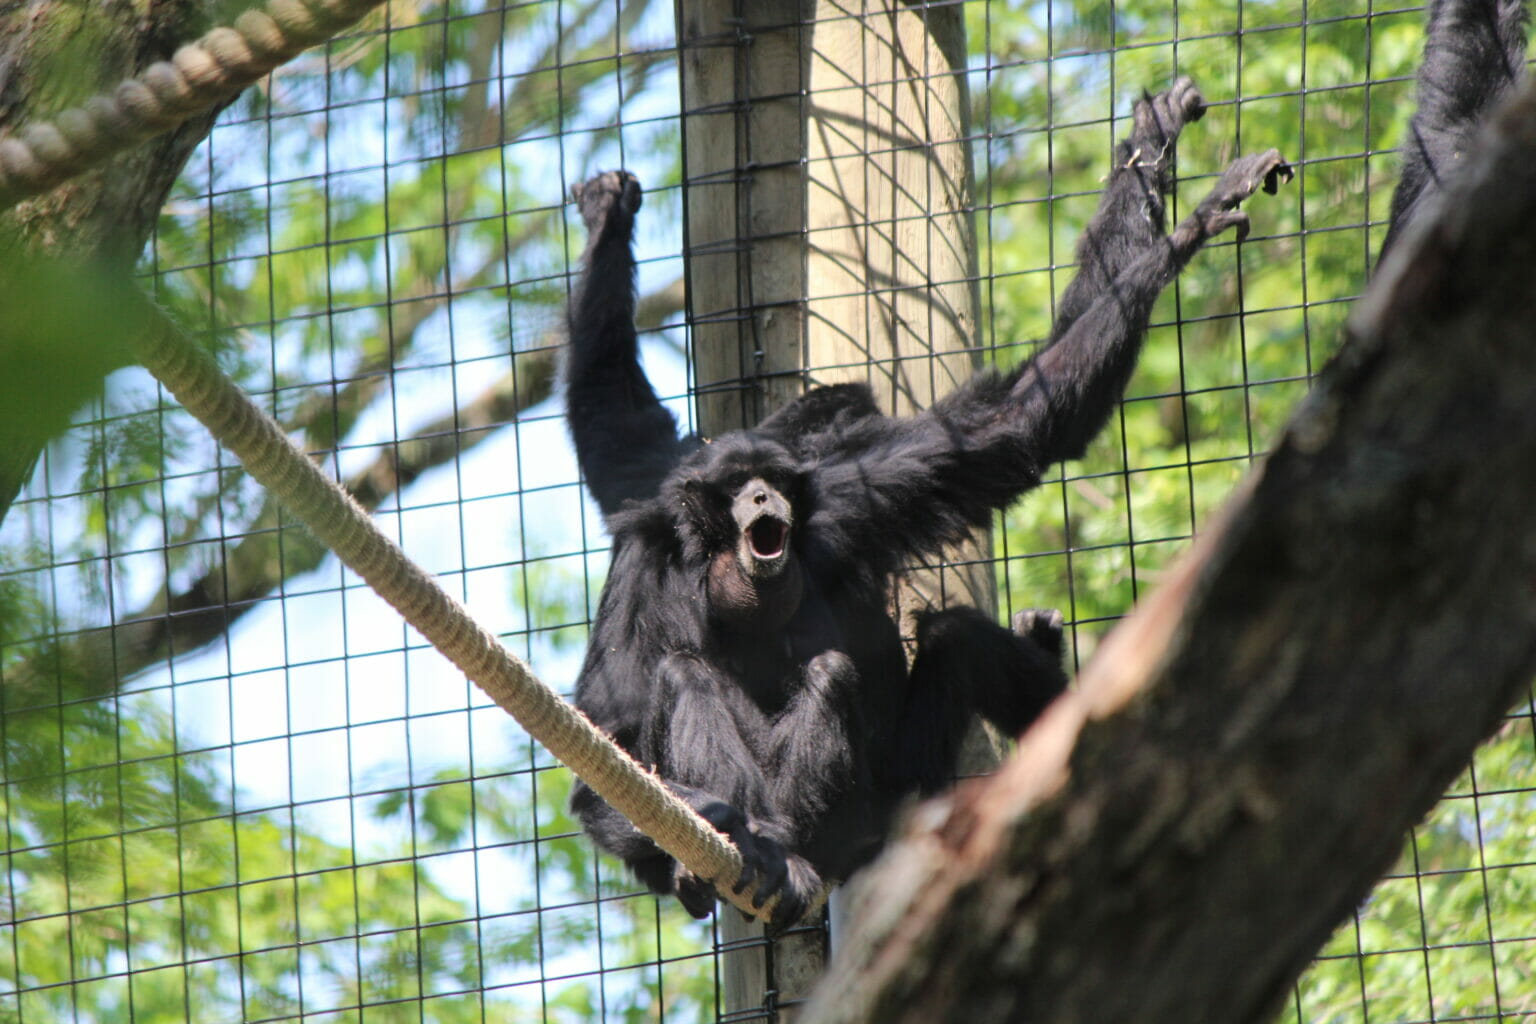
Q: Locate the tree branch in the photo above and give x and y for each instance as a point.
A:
(1176, 838)
(273, 549)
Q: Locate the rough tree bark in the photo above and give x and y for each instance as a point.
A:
(1177, 837)
(55, 54)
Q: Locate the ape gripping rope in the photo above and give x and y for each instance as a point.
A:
(279, 465)
(220, 63)
(223, 61)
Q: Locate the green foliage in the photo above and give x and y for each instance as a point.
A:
(389, 212)
(1450, 933)
(135, 885)
(1237, 337)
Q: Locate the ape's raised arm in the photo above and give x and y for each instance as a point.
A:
(1066, 393)
(1474, 51)
(945, 470)
(626, 441)
(1130, 218)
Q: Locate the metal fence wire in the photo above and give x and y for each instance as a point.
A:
(236, 787)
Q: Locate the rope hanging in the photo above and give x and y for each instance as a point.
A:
(201, 73)
(225, 60)
(280, 466)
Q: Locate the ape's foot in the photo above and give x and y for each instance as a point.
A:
(798, 890)
(1156, 123)
(610, 194)
(1159, 119)
(1218, 211)
(1043, 626)
(696, 895)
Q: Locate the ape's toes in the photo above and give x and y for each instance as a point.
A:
(696, 895)
(1042, 625)
(600, 196)
(1184, 100)
(800, 889)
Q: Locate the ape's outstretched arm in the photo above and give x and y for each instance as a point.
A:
(944, 471)
(1131, 214)
(626, 441)
(1066, 393)
(1474, 52)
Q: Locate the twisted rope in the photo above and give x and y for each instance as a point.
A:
(201, 73)
(280, 466)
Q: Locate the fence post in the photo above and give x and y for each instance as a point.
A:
(829, 238)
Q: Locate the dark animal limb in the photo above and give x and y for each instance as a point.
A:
(966, 662)
(944, 471)
(1132, 209)
(766, 863)
(710, 735)
(1474, 53)
(810, 753)
(626, 440)
(1066, 393)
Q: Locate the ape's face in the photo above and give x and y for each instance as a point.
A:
(742, 493)
(763, 518)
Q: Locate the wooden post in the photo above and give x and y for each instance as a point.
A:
(829, 238)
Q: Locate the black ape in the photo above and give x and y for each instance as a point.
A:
(743, 644)
(1474, 53)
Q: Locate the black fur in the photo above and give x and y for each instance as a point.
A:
(1474, 54)
(770, 688)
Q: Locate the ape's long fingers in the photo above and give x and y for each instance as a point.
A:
(600, 197)
(1218, 211)
(1157, 121)
(1245, 176)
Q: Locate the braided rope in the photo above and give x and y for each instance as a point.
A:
(280, 466)
(224, 61)
(201, 73)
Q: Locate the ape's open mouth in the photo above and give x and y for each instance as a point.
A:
(768, 535)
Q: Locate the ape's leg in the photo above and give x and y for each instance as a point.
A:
(1130, 217)
(1474, 52)
(626, 441)
(967, 664)
(811, 758)
(699, 724)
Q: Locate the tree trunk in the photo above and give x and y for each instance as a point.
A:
(55, 54)
(1176, 839)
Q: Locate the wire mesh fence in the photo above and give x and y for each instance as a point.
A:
(236, 787)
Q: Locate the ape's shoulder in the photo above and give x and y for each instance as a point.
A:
(818, 409)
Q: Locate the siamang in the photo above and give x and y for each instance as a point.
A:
(1474, 54)
(743, 644)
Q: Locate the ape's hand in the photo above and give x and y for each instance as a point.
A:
(610, 198)
(1219, 211)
